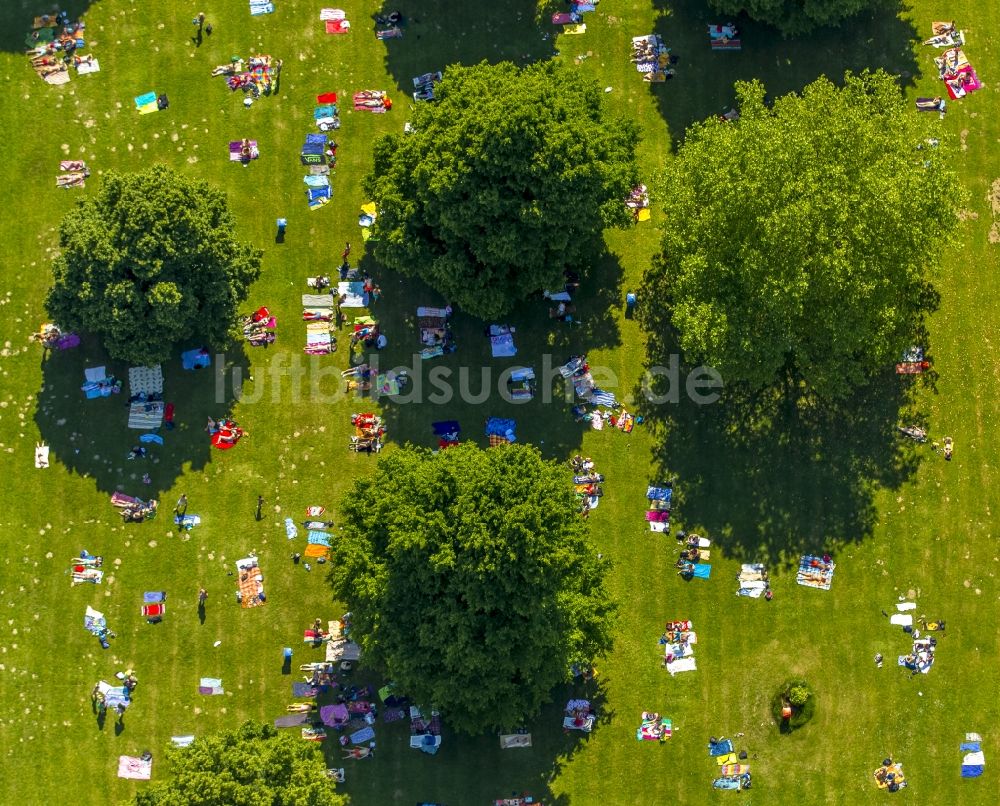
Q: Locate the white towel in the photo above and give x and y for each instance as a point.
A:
(682, 665)
(901, 620)
(904, 606)
(42, 456)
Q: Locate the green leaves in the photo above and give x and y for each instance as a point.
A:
(799, 238)
(796, 17)
(254, 765)
(507, 180)
(471, 580)
(150, 261)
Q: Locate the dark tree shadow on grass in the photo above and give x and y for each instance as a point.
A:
(91, 438)
(703, 85)
(470, 769)
(438, 33)
(471, 373)
(16, 17)
(771, 475)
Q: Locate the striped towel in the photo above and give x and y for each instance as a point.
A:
(601, 398)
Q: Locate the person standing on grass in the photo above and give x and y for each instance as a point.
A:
(202, 598)
(260, 508)
(347, 252)
(182, 505)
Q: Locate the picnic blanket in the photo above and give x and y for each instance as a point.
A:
(146, 103)
(720, 747)
(901, 619)
(319, 340)
(292, 720)
(87, 65)
(341, 650)
(134, 768)
(701, 571)
(503, 346)
(334, 715)
(259, 7)
(512, 740)
(688, 664)
(974, 761)
(145, 380)
(354, 291)
(210, 686)
(145, 416)
(501, 428)
(251, 583)
(81, 574)
(340, 26)
(654, 493)
(304, 690)
(366, 734)
(319, 538)
(196, 359)
(654, 730)
(316, 550)
(236, 151)
(41, 456)
(815, 573)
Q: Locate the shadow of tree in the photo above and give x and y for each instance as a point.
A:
(438, 33)
(91, 438)
(703, 86)
(457, 773)
(774, 474)
(470, 383)
(16, 19)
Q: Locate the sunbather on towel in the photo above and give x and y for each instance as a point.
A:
(373, 103)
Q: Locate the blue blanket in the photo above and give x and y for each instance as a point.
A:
(499, 426)
(659, 493)
(193, 359)
(316, 139)
(291, 530)
(702, 571)
(720, 748)
(319, 538)
(363, 735)
(446, 427)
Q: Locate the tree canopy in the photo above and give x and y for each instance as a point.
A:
(150, 261)
(250, 766)
(798, 239)
(796, 17)
(471, 580)
(506, 180)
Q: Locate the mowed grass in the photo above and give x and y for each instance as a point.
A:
(897, 521)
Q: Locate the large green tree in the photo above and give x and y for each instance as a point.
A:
(151, 260)
(254, 765)
(472, 580)
(797, 17)
(798, 240)
(505, 181)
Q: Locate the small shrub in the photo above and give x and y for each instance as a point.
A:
(797, 695)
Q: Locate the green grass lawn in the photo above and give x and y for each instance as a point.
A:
(897, 520)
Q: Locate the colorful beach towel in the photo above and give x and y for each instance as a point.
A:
(135, 768)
